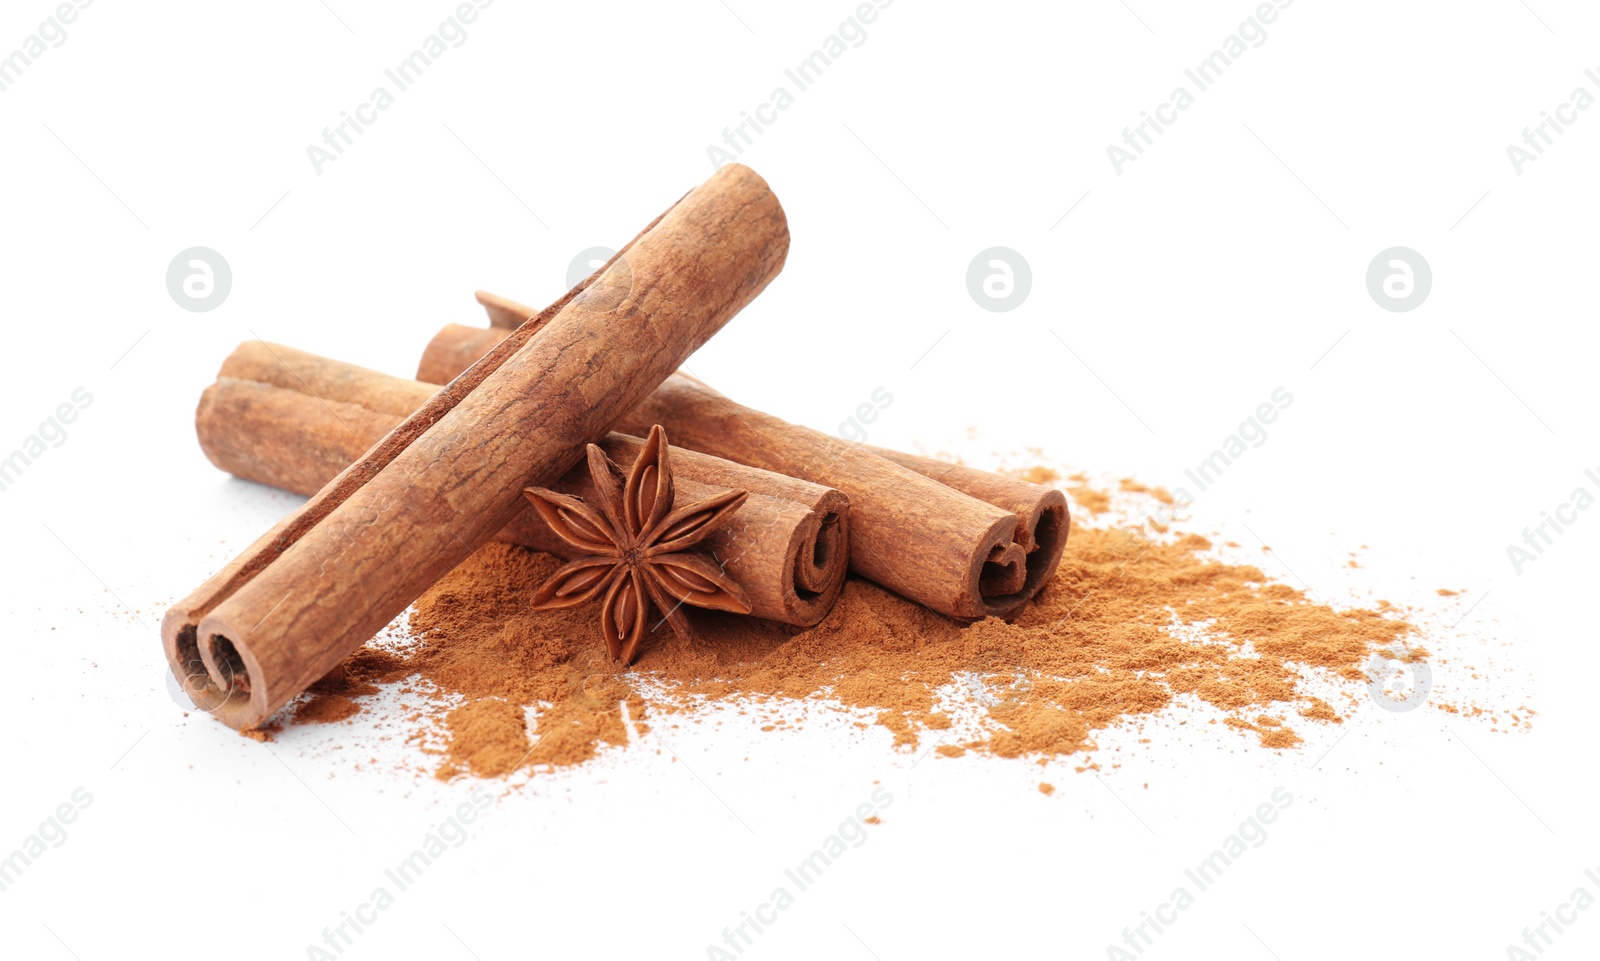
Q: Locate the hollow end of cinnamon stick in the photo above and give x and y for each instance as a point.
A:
(1017, 571)
(220, 683)
(1020, 570)
(821, 552)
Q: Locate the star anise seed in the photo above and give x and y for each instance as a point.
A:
(636, 549)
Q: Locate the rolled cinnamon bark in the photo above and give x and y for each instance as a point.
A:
(1041, 511)
(290, 419)
(963, 542)
(451, 476)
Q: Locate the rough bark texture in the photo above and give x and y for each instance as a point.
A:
(294, 420)
(963, 542)
(450, 477)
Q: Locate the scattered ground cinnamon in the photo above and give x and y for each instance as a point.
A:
(1132, 624)
(264, 733)
(1038, 474)
(332, 697)
(1130, 486)
(490, 738)
(1091, 500)
(325, 709)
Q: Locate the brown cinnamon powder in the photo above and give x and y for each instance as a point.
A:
(1133, 624)
(332, 697)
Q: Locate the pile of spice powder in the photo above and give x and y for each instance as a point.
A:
(1137, 620)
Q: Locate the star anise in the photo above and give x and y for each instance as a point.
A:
(636, 549)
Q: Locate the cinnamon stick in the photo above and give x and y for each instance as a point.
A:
(291, 419)
(450, 476)
(1041, 514)
(963, 542)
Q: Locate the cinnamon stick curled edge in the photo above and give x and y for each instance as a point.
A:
(964, 542)
(293, 420)
(450, 476)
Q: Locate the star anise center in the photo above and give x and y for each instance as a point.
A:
(637, 551)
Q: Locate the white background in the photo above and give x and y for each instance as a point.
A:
(1228, 261)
